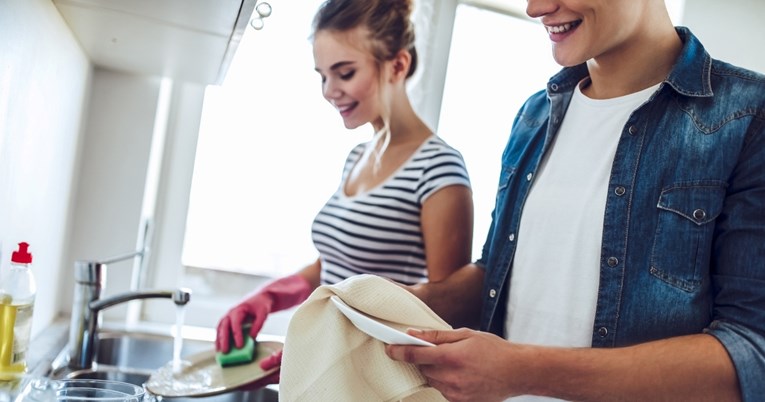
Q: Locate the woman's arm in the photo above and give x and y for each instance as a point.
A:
(447, 228)
(312, 273)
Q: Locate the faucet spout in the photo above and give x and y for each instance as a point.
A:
(179, 296)
(89, 281)
(83, 338)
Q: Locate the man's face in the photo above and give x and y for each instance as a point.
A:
(581, 30)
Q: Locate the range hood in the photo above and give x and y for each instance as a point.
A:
(187, 40)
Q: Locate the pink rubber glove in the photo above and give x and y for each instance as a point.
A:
(278, 295)
(270, 362)
(275, 360)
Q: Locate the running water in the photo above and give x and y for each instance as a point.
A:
(180, 312)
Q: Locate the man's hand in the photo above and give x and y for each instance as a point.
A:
(465, 365)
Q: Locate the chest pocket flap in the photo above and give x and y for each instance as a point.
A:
(699, 202)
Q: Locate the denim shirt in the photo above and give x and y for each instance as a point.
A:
(683, 247)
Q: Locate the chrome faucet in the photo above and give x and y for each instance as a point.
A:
(89, 280)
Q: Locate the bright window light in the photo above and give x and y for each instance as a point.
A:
(271, 149)
(484, 90)
(270, 153)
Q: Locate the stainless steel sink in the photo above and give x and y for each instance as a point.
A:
(133, 356)
(142, 350)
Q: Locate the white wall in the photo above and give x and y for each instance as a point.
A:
(44, 79)
(117, 142)
(730, 30)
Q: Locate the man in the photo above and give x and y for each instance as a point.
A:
(626, 257)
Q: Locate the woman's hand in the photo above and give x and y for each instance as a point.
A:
(254, 310)
(270, 362)
(277, 295)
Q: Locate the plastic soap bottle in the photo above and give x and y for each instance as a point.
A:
(17, 298)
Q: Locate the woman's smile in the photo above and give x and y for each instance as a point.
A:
(346, 109)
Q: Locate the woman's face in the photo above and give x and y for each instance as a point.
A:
(349, 76)
(581, 30)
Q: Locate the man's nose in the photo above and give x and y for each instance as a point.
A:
(539, 8)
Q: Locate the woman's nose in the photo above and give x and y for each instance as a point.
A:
(330, 90)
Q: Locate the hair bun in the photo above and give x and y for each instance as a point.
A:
(388, 23)
(403, 6)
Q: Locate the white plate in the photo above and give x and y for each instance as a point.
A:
(201, 375)
(376, 329)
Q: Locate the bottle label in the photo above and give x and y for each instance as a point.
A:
(15, 331)
(7, 322)
(22, 332)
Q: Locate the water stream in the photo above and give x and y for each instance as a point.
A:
(180, 313)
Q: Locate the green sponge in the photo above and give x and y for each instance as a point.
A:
(235, 356)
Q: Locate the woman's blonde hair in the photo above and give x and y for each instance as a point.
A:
(389, 29)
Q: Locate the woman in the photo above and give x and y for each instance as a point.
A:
(403, 209)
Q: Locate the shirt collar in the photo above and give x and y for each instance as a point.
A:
(690, 75)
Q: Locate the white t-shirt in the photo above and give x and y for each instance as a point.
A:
(555, 277)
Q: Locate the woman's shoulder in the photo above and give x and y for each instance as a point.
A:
(356, 152)
(437, 147)
(441, 165)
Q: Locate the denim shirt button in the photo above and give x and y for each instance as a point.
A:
(529, 176)
(511, 237)
(620, 191)
(633, 130)
(492, 293)
(612, 261)
(699, 214)
(602, 331)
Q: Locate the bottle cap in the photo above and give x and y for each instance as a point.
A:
(22, 256)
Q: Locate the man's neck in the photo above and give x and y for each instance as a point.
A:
(645, 61)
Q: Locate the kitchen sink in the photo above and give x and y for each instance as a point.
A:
(132, 357)
(267, 394)
(142, 350)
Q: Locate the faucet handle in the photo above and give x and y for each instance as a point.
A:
(123, 257)
(90, 273)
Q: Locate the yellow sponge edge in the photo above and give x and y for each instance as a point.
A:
(237, 356)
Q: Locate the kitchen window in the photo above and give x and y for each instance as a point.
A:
(484, 90)
(271, 149)
(269, 154)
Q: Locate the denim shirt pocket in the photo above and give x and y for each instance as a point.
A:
(684, 231)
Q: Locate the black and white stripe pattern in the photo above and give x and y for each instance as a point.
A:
(378, 232)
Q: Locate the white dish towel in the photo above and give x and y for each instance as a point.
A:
(326, 358)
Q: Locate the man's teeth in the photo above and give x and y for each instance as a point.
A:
(561, 28)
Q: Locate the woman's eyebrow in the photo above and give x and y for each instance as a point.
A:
(336, 65)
